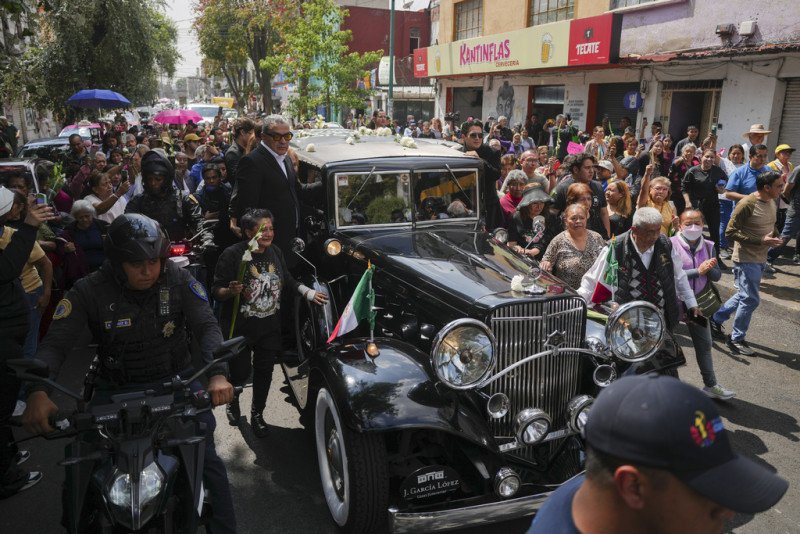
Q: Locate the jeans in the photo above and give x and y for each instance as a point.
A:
(701, 340)
(791, 228)
(32, 340)
(745, 301)
(725, 212)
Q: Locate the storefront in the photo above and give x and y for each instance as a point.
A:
(523, 71)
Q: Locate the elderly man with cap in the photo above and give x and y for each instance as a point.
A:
(782, 165)
(658, 460)
(15, 250)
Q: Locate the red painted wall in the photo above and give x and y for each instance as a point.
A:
(370, 29)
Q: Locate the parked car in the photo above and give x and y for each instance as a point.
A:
(465, 404)
(87, 130)
(209, 111)
(52, 148)
(29, 168)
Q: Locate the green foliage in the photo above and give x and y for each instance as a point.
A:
(314, 55)
(233, 32)
(114, 44)
(380, 210)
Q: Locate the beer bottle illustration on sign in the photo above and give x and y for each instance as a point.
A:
(547, 47)
(438, 62)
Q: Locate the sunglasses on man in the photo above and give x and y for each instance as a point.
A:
(474, 135)
(277, 137)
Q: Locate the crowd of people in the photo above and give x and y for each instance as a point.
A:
(569, 199)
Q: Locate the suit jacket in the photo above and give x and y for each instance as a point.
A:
(260, 183)
(232, 157)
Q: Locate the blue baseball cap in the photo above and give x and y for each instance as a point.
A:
(660, 422)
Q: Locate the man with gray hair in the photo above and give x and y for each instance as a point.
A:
(650, 269)
(266, 179)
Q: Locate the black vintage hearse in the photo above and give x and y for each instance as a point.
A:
(466, 406)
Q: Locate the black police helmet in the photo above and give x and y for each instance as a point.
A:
(156, 162)
(133, 237)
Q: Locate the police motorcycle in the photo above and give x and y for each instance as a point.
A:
(136, 462)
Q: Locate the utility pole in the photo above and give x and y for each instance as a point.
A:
(390, 100)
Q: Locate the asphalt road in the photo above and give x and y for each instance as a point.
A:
(275, 480)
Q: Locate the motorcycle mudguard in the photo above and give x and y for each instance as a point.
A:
(395, 391)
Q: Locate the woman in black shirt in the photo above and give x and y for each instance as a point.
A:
(701, 185)
(532, 227)
(259, 316)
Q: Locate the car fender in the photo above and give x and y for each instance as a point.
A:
(396, 391)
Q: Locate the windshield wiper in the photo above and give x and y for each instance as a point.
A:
(464, 193)
(366, 181)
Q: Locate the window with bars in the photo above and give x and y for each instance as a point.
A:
(544, 11)
(469, 19)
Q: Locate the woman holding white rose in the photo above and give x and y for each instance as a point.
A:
(258, 316)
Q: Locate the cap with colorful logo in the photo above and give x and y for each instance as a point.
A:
(660, 422)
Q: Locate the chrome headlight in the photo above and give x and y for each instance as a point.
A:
(151, 481)
(578, 412)
(462, 354)
(531, 426)
(635, 331)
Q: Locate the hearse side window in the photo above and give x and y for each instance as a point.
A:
(373, 198)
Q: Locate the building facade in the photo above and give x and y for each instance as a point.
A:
(720, 66)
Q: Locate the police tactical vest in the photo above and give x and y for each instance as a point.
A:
(141, 335)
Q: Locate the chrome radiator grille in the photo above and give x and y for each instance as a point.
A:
(547, 383)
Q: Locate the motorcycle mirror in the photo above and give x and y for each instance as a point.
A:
(30, 367)
(227, 350)
(298, 245)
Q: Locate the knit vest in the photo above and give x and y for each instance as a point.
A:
(655, 284)
(692, 260)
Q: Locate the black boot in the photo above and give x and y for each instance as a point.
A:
(260, 428)
(233, 412)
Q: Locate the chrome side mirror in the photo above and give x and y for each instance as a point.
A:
(298, 245)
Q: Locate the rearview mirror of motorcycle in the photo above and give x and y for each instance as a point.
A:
(227, 350)
(33, 370)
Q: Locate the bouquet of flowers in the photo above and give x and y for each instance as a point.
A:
(247, 257)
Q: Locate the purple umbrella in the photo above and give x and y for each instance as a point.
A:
(177, 116)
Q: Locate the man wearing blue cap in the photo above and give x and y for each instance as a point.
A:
(658, 461)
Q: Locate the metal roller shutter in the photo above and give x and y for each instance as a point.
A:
(790, 120)
(610, 102)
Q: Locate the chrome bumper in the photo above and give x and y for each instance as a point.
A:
(469, 516)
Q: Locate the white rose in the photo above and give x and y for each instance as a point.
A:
(516, 283)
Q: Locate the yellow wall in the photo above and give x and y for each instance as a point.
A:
(500, 16)
(590, 8)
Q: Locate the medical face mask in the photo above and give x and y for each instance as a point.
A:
(692, 232)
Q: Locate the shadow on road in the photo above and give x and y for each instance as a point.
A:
(789, 359)
(749, 415)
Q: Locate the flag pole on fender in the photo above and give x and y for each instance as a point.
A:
(361, 306)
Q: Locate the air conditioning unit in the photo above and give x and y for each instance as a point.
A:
(748, 28)
(725, 30)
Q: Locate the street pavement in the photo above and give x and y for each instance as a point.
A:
(275, 480)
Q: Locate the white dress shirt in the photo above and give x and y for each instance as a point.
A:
(278, 157)
(682, 288)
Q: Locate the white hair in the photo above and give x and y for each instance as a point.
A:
(82, 206)
(646, 217)
(501, 118)
(271, 120)
(514, 174)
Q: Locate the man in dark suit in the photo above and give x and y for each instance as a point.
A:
(266, 179)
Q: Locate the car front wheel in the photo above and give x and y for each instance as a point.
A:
(352, 470)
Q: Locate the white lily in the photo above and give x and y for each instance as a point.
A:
(350, 141)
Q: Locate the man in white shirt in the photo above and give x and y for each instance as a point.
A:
(649, 269)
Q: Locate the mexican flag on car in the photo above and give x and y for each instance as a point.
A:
(359, 307)
(604, 288)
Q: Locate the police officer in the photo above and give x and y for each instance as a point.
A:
(176, 212)
(137, 307)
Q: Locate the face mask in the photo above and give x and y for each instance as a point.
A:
(211, 188)
(692, 232)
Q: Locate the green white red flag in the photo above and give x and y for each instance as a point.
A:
(607, 283)
(360, 307)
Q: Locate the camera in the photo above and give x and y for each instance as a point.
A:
(453, 116)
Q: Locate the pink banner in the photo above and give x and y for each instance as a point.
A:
(574, 148)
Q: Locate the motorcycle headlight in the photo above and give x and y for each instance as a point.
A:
(462, 354)
(151, 481)
(635, 331)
